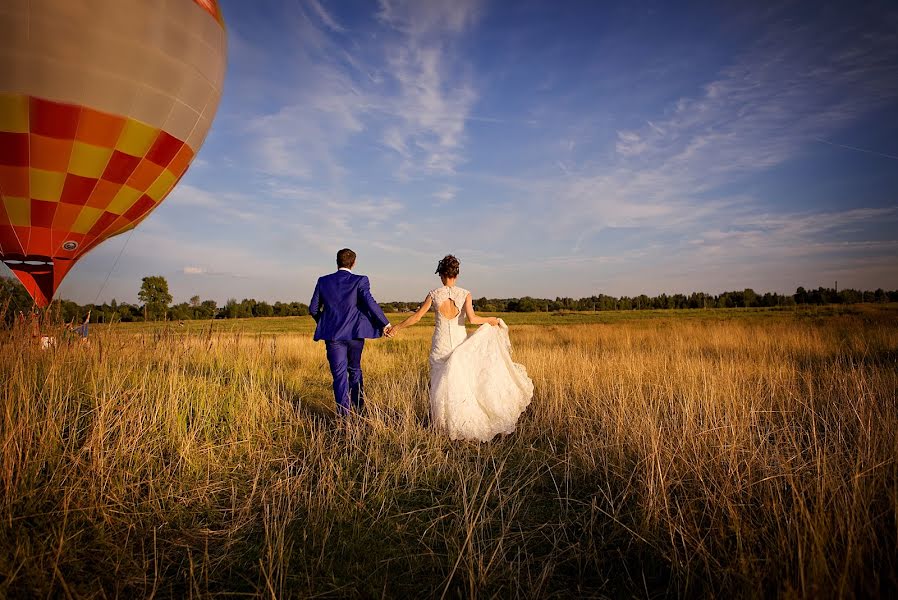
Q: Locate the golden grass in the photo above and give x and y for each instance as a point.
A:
(661, 456)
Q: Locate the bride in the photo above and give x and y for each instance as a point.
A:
(476, 390)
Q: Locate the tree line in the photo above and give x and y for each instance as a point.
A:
(746, 298)
(155, 303)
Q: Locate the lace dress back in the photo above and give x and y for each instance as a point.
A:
(476, 390)
(448, 332)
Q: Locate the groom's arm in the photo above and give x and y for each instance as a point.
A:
(367, 301)
(315, 304)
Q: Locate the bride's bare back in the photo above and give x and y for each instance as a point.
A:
(449, 309)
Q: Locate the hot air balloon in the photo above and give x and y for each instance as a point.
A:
(103, 106)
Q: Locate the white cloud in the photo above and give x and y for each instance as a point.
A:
(446, 194)
(435, 97)
(630, 143)
(325, 16)
(423, 18)
(786, 92)
(302, 139)
(363, 138)
(404, 85)
(227, 206)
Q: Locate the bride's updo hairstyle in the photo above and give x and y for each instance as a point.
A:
(448, 267)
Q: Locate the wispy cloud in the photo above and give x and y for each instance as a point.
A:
(446, 194)
(435, 97)
(325, 16)
(206, 272)
(326, 220)
(797, 234)
(794, 86)
(404, 82)
(227, 206)
(422, 18)
(856, 149)
(553, 151)
(302, 139)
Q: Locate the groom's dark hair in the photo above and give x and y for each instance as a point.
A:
(345, 258)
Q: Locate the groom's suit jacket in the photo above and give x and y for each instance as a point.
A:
(344, 309)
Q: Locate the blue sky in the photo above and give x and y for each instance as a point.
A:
(557, 148)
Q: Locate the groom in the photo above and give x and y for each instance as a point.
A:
(346, 314)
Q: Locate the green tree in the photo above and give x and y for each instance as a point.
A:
(181, 312)
(13, 298)
(231, 309)
(206, 309)
(155, 297)
(263, 309)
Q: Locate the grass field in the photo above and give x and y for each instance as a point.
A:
(685, 453)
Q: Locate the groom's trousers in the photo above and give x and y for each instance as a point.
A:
(345, 360)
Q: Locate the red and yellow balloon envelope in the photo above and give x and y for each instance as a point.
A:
(103, 105)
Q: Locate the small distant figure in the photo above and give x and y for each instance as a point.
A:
(80, 331)
(35, 325)
(43, 342)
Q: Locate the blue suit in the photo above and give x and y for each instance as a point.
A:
(346, 314)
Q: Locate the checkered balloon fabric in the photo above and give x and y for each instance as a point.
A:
(103, 106)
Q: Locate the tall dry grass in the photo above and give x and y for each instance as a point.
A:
(700, 457)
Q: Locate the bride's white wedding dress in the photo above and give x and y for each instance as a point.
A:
(476, 390)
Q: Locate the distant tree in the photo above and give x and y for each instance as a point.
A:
(14, 298)
(194, 301)
(231, 309)
(128, 313)
(67, 311)
(155, 297)
(181, 312)
(484, 305)
(263, 309)
(850, 296)
(206, 310)
(606, 302)
(246, 308)
(525, 304)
